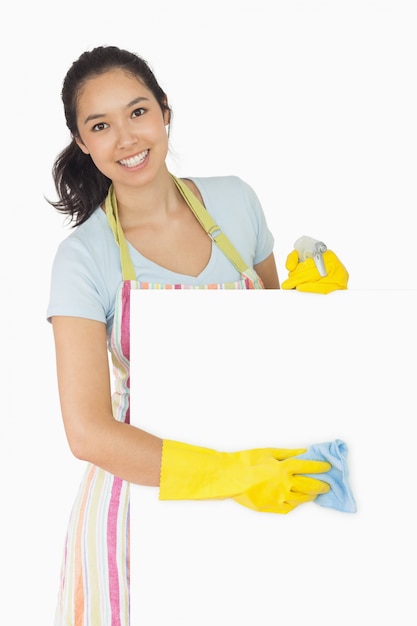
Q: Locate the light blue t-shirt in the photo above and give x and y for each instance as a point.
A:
(86, 271)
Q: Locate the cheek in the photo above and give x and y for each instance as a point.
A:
(97, 148)
(99, 154)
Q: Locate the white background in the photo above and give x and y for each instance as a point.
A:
(312, 103)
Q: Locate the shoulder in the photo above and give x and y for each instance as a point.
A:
(91, 238)
(218, 184)
(231, 191)
(89, 255)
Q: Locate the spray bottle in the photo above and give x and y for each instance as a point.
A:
(310, 248)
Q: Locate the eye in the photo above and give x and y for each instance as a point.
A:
(100, 126)
(138, 112)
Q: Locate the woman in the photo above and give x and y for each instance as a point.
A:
(138, 226)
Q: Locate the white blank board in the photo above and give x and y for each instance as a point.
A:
(241, 369)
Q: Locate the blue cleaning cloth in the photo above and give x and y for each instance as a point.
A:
(340, 496)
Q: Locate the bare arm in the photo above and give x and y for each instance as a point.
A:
(267, 270)
(85, 396)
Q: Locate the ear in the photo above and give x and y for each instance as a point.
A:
(81, 145)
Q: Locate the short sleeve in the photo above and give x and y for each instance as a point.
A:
(264, 237)
(85, 273)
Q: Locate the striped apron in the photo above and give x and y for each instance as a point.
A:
(94, 589)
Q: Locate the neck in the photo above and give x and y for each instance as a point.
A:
(149, 202)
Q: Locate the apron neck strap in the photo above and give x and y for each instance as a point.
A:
(212, 229)
(110, 205)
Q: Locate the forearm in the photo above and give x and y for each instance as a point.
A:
(123, 450)
(85, 397)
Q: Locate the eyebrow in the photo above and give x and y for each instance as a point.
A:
(96, 116)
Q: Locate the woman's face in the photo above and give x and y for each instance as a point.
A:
(122, 127)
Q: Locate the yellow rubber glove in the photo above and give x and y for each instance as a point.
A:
(304, 276)
(265, 479)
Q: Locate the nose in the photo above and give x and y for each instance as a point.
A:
(125, 137)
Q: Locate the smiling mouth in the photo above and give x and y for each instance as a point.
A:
(135, 160)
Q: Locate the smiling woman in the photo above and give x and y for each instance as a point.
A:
(138, 226)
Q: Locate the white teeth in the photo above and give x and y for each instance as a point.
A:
(133, 161)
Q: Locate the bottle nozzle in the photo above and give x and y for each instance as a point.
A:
(310, 248)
